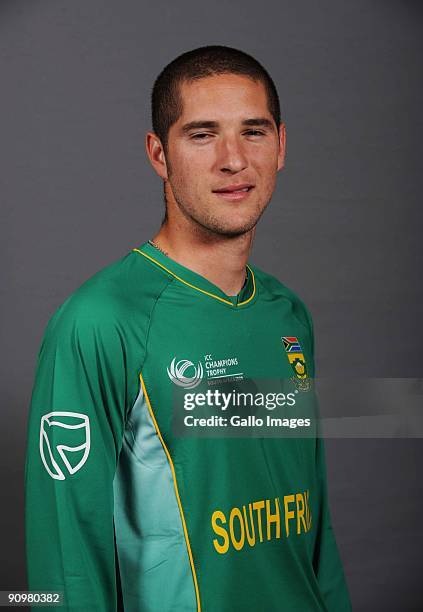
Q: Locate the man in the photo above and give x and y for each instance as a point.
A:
(122, 511)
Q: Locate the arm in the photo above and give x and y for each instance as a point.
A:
(327, 562)
(75, 429)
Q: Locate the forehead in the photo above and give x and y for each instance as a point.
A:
(223, 96)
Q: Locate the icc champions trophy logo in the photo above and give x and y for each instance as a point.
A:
(177, 369)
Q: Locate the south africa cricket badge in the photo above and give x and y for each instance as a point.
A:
(296, 358)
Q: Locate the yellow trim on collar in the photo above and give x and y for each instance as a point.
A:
(217, 297)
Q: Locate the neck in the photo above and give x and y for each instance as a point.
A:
(220, 259)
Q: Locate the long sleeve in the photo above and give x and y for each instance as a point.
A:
(75, 430)
(327, 562)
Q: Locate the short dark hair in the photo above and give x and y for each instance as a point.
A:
(166, 102)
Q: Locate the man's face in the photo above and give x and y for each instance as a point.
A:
(225, 137)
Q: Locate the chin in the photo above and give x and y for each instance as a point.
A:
(240, 225)
(233, 229)
(229, 223)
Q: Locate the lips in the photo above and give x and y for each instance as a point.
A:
(235, 188)
(234, 193)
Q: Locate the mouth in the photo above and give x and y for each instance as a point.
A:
(234, 192)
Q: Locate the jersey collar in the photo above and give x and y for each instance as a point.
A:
(197, 282)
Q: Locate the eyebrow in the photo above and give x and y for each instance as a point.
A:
(255, 122)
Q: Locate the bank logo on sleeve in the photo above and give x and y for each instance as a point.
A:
(64, 442)
(177, 370)
(296, 359)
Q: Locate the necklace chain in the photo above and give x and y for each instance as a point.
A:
(157, 247)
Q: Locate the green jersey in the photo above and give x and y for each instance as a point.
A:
(125, 513)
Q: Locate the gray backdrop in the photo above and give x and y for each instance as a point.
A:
(343, 229)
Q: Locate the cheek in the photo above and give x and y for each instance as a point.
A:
(189, 177)
(193, 164)
(266, 165)
(201, 158)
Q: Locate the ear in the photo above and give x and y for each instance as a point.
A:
(282, 146)
(156, 154)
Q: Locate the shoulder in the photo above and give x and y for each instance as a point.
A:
(112, 300)
(273, 288)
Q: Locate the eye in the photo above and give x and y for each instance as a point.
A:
(200, 136)
(255, 133)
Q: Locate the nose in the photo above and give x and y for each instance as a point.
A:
(231, 155)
